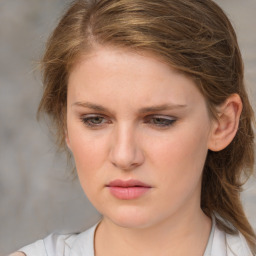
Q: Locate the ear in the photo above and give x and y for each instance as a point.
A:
(225, 127)
(67, 139)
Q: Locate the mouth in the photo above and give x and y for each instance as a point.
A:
(128, 190)
(127, 183)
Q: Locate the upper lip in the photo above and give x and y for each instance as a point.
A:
(127, 183)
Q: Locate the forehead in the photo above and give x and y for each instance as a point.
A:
(116, 74)
(114, 55)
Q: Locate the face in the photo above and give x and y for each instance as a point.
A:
(139, 133)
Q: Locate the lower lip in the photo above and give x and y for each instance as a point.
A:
(129, 192)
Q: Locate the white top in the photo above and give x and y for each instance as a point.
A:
(219, 244)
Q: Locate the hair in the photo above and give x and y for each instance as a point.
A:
(194, 37)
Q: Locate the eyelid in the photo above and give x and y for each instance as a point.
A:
(159, 121)
(84, 116)
(162, 116)
(87, 117)
(167, 117)
(93, 115)
(167, 121)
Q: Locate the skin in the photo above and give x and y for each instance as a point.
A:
(116, 130)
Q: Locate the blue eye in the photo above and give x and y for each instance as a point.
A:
(93, 120)
(160, 121)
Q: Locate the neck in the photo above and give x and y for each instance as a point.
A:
(182, 234)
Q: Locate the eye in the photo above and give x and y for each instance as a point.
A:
(160, 121)
(94, 121)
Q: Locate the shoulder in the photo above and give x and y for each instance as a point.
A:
(236, 244)
(58, 244)
(229, 244)
(51, 245)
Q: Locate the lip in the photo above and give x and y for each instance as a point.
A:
(127, 183)
(128, 189)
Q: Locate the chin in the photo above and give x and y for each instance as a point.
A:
(130, 218)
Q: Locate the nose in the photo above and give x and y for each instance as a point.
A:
(125, 152)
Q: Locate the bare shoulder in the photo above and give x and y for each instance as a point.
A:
(17, 254)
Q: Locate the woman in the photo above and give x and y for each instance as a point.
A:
(149, 98)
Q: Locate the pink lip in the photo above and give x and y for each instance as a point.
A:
(127, 183)
(127, 190)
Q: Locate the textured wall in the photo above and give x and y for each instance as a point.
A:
(37, 193)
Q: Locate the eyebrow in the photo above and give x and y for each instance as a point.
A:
(143, 110)
(90, 106)
(161, 108)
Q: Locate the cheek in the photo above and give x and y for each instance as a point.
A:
(89, 152)
(89, 156)
(85, 151)
(181, 157)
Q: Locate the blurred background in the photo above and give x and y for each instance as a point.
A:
(38, 194)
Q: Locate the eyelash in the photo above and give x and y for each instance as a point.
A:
(160, 121)
(87, 120)
(156, 121)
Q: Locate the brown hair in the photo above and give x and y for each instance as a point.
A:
(192, 36)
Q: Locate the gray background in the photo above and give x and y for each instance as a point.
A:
(38, 194)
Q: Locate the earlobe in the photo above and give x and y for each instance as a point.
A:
(225, 127)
